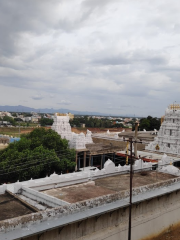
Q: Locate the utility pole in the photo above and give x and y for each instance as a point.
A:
(19, 129)
(130, 195)
(130, 140)
(135, 143)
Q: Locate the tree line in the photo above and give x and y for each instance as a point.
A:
(95, 122)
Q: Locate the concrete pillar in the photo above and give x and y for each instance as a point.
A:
(135, 144)
(101, 161)
(79, 163)
(84, 165)
(76, 162)
(90, 160)
(114, 157)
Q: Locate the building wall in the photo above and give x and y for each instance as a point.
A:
(149, 219)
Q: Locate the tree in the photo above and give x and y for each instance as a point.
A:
(144, 124)
(18, 119)
(150, 123)
(37, 154)
(46, 121)
(9, 119)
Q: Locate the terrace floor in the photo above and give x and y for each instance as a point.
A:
(104, 186)
(11, 207)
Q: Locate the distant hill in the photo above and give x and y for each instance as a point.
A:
(21, 108)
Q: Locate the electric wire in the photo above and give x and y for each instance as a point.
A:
(31, 162)
(40, 159)
(41, 163)
(22, 169)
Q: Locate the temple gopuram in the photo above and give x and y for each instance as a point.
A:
(168, 137)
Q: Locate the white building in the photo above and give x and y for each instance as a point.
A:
(168, 138)
(62, 127)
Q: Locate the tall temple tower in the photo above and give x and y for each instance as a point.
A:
(61, 126)
(168, 138)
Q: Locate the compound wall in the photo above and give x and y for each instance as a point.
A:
(149, 218)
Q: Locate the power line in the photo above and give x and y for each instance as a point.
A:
(40, 159)
(32, 156)
(41, 163)
(22, 169)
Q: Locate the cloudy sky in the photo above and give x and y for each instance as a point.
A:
(111, 56)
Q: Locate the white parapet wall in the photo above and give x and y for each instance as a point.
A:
(3, 188)
(44, 198)
(56, 181)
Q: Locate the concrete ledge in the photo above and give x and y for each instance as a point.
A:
(43, 198)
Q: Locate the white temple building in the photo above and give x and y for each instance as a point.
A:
(168, 137)
(62, 127)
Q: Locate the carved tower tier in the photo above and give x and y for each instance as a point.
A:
(168, 138)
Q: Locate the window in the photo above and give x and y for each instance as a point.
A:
(169, 145)
(170, 132)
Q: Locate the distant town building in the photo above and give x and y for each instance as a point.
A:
(3, 114)
(35, 119)
(27, 119)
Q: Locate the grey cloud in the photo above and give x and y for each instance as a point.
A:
(113, 108)
(90, 54)
(116, 60)
(93, 4)
(37, 97)
(131, 58)
(64, 102)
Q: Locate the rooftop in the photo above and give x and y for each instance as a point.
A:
(141, 135)
(106, 185)
(11, 207)
(79, 192)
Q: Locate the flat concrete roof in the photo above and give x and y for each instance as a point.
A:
(146, 136)
(121, 182)
(89, 213)
(79, 192)
(154, 155)
(11, 207)
(107, 185)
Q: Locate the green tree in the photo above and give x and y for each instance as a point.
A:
(9, 119)
(149, 123)
(46, 121)
(144, 124)
(38, 153)
(18, 119)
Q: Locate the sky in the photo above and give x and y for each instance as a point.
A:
(112, 56)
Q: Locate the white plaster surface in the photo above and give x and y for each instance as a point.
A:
(3, 188)
(170, 169)
(62, 127)
(55, 180)
(168, 137)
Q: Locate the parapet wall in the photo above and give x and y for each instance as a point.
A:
(35, 218)
(55, 180)
(44, 198)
